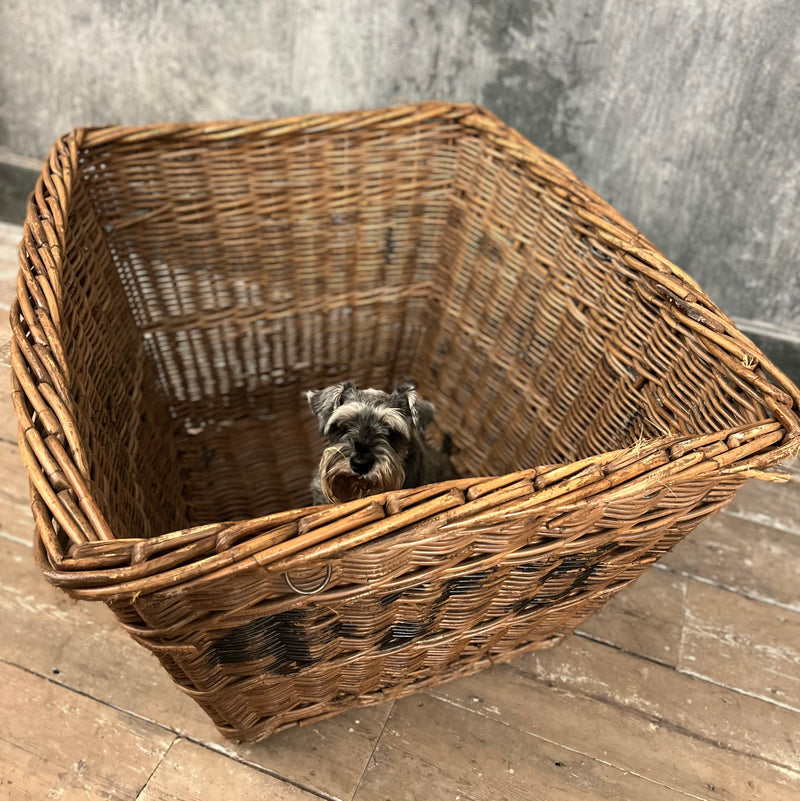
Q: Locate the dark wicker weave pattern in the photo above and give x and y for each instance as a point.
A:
(181, 285)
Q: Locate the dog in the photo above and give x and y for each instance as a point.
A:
(375, 442)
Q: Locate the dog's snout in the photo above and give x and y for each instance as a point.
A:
(361, 463)
(374, 443)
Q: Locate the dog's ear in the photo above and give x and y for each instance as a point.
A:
(420, 411)
(324, 402)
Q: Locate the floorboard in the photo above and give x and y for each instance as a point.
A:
(747, 645)
(190, 772)
(747, 558)
(724, 717)
(57, 743)
(437, 750)
(617, 733)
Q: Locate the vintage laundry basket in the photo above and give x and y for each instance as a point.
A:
(182, 285)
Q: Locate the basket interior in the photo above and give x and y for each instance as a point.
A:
(211, 283)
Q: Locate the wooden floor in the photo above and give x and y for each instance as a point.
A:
(686, 685)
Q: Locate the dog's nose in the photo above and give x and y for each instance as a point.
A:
(361, 463)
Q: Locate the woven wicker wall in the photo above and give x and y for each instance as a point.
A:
(544, 346)
(264, 269)
(254, 269)
(132, 456)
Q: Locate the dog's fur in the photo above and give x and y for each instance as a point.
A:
(375, 442)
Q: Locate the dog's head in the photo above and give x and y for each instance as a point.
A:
(370, 435)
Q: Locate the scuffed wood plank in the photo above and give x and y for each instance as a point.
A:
(753, 560)
(13, 477)
(16, 521)
(8, 419)
(645, 618)
(9, 267)
(82, 645)
(55, 743)
(8, 286)
(326, 757)
(730, 720)
(10, 237)
(618, 735)
(190, 772)
(744, 644)
(5, 353)
(436, 750)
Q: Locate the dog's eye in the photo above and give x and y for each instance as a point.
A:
(335, 431)
(395, 438)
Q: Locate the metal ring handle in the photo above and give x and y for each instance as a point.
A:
(321, 587)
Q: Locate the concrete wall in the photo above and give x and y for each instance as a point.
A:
(682, 113)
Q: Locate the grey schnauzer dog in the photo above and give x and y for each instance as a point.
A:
(375, 442)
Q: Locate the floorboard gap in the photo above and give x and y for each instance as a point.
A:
(374, 748)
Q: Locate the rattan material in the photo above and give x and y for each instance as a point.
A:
(181, 285)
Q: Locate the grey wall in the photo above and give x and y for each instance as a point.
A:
(682, 113)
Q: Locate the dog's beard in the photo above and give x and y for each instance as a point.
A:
(340, 484)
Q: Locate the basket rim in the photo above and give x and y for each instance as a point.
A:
(311, 536)
(39, 388)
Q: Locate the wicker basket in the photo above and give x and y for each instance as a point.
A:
(181, 285)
